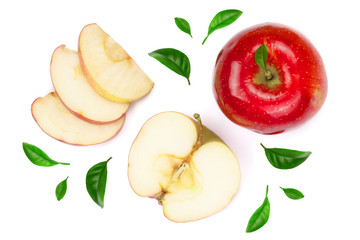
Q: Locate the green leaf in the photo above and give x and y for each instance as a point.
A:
(96, 182)
(261, 56)
(38, 156)
(222, 19)
(183, 25)
(260, 216)
(285, 158)
(293, 193)
(173, 59)
(61, 189)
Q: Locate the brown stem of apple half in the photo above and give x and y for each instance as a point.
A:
(199, 140)
(185, 164)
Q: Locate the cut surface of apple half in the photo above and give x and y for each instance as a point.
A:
(58, 122)
(76, 93)
(185, 166)
(108, 67)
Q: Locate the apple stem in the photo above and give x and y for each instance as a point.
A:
(198, 119)
(268, 74)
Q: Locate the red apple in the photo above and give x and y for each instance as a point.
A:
(295, 91)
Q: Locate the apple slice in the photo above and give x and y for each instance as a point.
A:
(58, 122)
(184, 165)
(75, 92)
(109, 69)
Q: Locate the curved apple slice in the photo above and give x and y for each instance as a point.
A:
(75, 92)
(109, 69)
(184, 165)
(58, 122)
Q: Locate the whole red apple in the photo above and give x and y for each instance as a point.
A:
(292, 94)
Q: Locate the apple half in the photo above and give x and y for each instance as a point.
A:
(108, 67)
(58, 122)
(76, 93)
(185, 166)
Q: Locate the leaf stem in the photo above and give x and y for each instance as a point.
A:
(205, 40)
(267, 190)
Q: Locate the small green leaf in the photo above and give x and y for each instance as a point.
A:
(38, 156)
(96, 182)
(285, 158)
(183, 25)
(261, 56)
(260, 216)
(61, 189)
(293, 193)
(222, 19)
(173, 59)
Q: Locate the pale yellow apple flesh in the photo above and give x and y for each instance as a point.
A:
(184, 165)
(75, 92)
(108, 67)
(58, 122)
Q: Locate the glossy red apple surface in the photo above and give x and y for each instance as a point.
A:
(295, 92)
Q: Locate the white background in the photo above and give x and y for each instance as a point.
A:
(31, 30)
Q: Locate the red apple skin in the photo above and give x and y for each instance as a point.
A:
(251, 101)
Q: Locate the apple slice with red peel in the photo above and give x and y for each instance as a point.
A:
(108, 67)
(75, 92)
(58, 122)
(184, 165)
